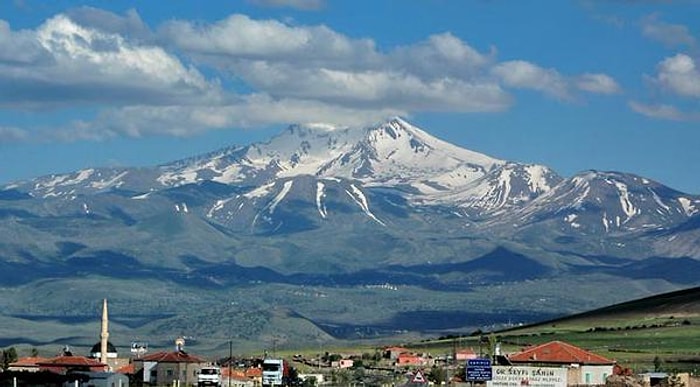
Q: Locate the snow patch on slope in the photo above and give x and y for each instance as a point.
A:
(537, 180)
(116, 181)
(218, 206)
(58, 180)
(361, 200)
(280, 195)
(627, 207)
(688, 206)
(320, 195)
(259, 192)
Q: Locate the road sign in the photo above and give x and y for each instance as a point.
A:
(419, 378)
(479, 370)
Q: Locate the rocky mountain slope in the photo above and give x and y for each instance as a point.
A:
(345, 210)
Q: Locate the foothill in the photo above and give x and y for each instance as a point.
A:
(484, 359)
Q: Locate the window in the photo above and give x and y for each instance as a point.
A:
(169, 372)
(588, 378)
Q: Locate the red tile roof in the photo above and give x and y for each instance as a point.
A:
(557, 352)
(253, 372)
(71, 361)
(248, 373)
(63, 364)
(28, 362)
(173, 357)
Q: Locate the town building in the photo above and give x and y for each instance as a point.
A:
(465, 354)
(342, 363)
(248, 377)
(69, 363)
(408, 359)
(394, 352)
(177, 368)
(26, 364)
(553, 364)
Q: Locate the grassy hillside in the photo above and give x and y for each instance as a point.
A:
(665, 327)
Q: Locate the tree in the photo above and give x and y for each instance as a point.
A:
(437, 375)
(309, 382)
(292, 379)
(657, 364)
(8, 356)
(34, 352)
(341, 377)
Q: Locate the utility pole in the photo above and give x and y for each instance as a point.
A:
(230, 359)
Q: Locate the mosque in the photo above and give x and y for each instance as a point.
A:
(104, 350)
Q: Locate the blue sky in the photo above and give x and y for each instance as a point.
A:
(575, 85)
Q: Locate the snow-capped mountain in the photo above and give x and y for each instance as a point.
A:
(345, 209)
(611, 202)
(326, 166)
(393, 154)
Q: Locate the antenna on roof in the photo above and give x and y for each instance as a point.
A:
(180, 344)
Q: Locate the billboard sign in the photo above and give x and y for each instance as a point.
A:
(506, 376)
(479, 370)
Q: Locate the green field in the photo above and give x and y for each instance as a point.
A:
(655, 333)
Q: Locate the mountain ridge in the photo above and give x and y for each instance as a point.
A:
(357, 213)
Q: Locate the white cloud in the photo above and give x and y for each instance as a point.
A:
(679, 78)
(662, 111)
(239, 37)
(439, 74)
(298, 4)
(19, 48)
(66, 63)
(679, 75)
(597, 83)
(249, 111)
(12, 134)
(288, 73)
(130, 25)
(440, 55)
(668, 34)
(526, 75)
(386, 89)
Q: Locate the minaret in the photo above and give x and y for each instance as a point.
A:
(104, 335)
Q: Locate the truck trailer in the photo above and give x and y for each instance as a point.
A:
(275, 372)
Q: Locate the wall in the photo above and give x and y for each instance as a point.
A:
(506, 376)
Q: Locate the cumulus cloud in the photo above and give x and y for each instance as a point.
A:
(662, 111)
(679, 78)
(597, 83)
(443, 54)
(671, 35)
(525, 75)
(679, 75)
(239, 37)
(129, 25)
(248, 111)
(66, 63)
(148, 81)
(439, 74)
(20, 48)
(11, 134)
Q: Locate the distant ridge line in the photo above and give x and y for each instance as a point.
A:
(686, 301)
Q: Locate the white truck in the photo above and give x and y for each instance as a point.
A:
(209, 376)
(274, 372)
